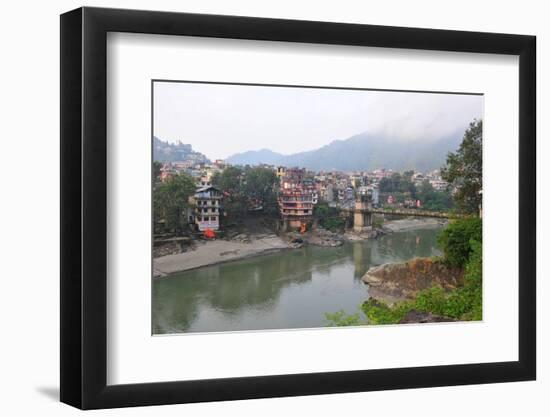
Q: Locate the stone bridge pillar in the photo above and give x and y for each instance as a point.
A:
(362, 217)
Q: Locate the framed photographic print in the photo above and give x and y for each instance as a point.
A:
(258, 207)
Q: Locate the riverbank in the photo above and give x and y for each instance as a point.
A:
(246, 245)
(217, 251)
(404, 225)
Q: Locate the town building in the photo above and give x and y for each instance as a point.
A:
(295, 198)
(328, 194)
(207, 208)
(281, 171)
(204, 181)
(439, 185)
(378, 174)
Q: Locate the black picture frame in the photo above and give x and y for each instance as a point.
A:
(84, 207)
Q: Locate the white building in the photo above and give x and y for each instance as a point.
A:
(207, 208)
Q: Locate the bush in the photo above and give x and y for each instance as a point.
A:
(432, 300)
(378, 312)
(455, 240)
(473, 280)
(340, 319)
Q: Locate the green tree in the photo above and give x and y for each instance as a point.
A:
(432, 199)
(260, 186)
(156, 171)
(230, 182)
(329, 217)
(398, 183)
(464, 170)
(171, 199)
(455, 240)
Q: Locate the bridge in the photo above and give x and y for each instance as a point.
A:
(363, 212)
(420, 213)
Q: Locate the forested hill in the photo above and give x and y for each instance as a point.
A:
(170, 152)
(362, 152)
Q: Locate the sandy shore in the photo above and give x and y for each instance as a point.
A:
(404, 225)
(214, 252)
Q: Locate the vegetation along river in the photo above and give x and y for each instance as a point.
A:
(284, 290)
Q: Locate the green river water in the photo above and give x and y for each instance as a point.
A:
(289, 289)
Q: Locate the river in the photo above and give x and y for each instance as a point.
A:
(284, 290)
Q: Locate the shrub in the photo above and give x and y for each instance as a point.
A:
(378, 312)
(432, 300)
(340, 318)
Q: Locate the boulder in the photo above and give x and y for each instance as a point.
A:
(398, 281)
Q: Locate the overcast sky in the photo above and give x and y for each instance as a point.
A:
(221, 120)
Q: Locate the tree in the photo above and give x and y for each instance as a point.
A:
(432, 199)
(171, 199)
(408, 174)
(230, 182)
(456, 240)
(398, 183)
(464, 171)
(260, 183)
(329, 217)
(260, 187)
(156, 171)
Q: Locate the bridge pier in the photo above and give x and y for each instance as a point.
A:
(362, 217)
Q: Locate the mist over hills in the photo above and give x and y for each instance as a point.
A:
(364, 151)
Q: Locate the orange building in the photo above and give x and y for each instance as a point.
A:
(296, 198)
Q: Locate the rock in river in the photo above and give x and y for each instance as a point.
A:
(398, 281)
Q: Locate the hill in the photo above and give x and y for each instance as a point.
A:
(362, 152)
(170, 152)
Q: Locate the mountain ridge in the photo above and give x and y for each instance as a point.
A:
(364, 151)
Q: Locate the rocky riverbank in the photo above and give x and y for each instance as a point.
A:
(395, 282)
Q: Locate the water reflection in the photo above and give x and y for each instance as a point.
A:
(290, 289)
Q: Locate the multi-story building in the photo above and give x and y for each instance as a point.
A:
(329, 193)
(378, 174)
(204, 181)
(296, 197)
(439, 185)
(356, 180)
(207, 208)
(281, 171)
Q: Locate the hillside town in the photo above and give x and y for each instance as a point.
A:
(326, 208)
(297, 192)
